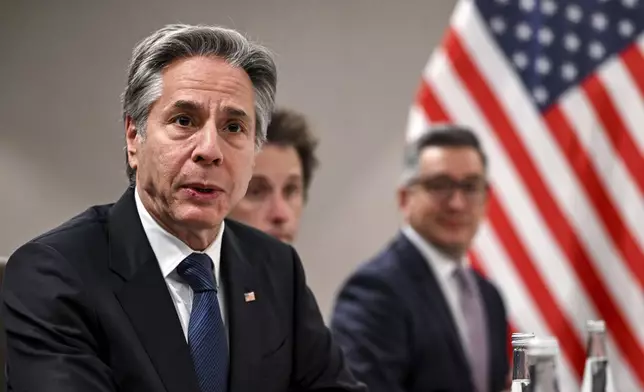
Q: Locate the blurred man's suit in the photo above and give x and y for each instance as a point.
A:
(86, 308)
(396, 328)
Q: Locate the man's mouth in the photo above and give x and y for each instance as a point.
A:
(203, 190)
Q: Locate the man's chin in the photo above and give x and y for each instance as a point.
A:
(202, 218)
(452, 246)
(282, 237)
(287, 239)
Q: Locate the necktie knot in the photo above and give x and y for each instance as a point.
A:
(197, 271)
(464, 280)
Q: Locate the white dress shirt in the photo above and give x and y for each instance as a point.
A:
(444, 269)
(170, 252)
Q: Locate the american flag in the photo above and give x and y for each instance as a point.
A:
(555, 91)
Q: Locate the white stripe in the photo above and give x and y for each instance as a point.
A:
(513, 196)
(525, 314)
(560, 180)
(613, 271)
(416, 123)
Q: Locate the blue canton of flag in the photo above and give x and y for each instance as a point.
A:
(553, 45)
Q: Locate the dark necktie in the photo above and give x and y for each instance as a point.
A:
(206, 331)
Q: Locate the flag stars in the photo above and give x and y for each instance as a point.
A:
(568, 72)
(520, 60)
(545, 36)
(542, 65)
(523, 31)
(551, 45)
(528, 5)
(540, 94)
(571, 42)
(625, 28)
(548, 7)
(574, 13)
(498, 25)
(630, 3)
(599, 21)
(596, 50)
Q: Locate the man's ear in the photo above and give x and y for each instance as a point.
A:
(132, 138)
(402, 195)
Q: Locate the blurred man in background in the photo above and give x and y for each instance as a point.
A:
(281, 178)
(417, 317)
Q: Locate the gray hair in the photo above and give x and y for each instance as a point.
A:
(172, 42)
(440, 135)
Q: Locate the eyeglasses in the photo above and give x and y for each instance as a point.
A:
(444, 187)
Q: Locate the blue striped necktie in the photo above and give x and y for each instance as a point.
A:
(206, 331)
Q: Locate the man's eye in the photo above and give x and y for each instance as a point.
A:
(183, 121)
(291, 190)
(440, 185)
(257, 192)
(471, 187)
(234, 128)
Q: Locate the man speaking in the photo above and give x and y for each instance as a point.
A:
(158, 292)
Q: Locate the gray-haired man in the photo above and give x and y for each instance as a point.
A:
(158, 292)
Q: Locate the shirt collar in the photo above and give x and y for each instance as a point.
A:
(442, 265)
(168, 249)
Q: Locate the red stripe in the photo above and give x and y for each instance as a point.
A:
(628, 247)
(634, 61)
(614, 127)
(557, 322)
(426, 99)
(541, 197)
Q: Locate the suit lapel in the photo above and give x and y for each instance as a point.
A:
(245, 321)
(146, 300)
(428, 284)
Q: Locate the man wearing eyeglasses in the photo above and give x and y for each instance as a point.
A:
(416, 317)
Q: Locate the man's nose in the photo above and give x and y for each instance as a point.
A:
(457, 200)
(279, 209)
(208, 148)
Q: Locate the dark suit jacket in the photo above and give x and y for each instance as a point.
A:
(394, 324)
(86, 309)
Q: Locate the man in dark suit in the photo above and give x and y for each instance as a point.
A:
(158, 292)
(416, 317)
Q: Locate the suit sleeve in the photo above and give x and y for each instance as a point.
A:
(319, 364)
(50, 344)
(369, 323)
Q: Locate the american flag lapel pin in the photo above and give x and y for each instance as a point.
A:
(249, 296)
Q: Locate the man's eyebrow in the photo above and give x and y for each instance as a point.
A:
(259, 178)
(189, 106)
(235, 112)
